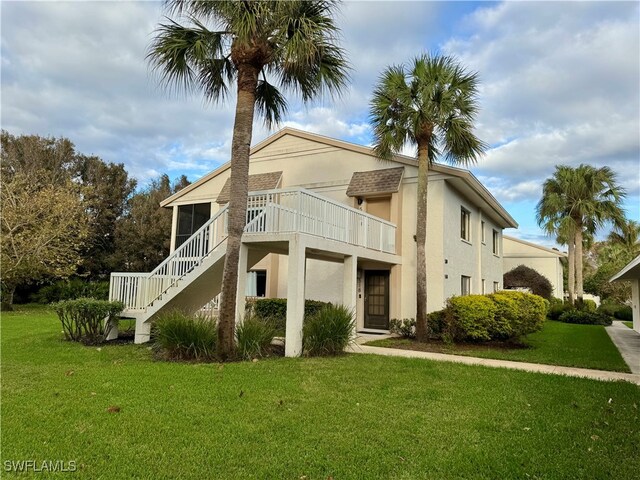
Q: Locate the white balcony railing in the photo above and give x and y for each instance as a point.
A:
(268, 212)
(300, 210)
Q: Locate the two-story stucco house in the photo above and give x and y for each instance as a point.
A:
(327, 220)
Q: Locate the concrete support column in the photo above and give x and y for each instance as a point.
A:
(295, 297)
(143, 331)
(350, 286)
(241, 292)
(111, 327)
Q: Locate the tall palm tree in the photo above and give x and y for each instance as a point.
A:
(261, 47)
(581, 199)
(430, 105)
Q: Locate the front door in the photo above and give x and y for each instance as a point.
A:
(376, 299)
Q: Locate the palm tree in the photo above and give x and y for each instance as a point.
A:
(627, 236)
(430, 105)
(261, 47)
(581, 200)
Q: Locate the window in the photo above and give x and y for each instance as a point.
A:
(484, 237)
(484, 286)
(496, 243)
(465, 224)
(256, 284)
(496, 286)
(190, 219)
(465, 285)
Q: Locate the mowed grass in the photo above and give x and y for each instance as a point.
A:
(570, 345)
(351, 417)
(629, 324)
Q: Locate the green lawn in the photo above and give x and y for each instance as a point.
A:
(629, 324)
(585, 346)
(356, 416)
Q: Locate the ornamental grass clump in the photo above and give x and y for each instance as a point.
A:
(178, 336)
(329, 331)
(254, 337)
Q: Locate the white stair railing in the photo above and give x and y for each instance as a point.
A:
(140, 290)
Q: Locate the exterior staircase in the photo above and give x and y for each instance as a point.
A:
(192, 275)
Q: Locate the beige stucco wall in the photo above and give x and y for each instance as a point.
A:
(327, 170)
(542, 260)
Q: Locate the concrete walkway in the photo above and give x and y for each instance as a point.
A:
(628, 342)
(488, 362)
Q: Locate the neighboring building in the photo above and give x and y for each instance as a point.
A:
(631, 273)
(332, 222)
(545, 261)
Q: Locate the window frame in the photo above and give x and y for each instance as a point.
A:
(496, 243)
(482, 232)
(180, 238)
(465, 224)
(465, 281)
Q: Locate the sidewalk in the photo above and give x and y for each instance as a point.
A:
(487, 362)
(628, 342)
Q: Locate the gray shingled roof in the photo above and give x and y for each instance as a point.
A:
(375, 182)
(257, 182)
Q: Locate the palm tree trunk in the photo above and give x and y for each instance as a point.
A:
(578, 260)
(421, 238)
(239, 189)
(571, 277)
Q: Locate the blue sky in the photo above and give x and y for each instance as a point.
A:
(559, 84)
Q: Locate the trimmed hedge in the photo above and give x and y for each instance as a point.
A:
(504, 315)
(585, 318)
(624, 313)
(617, 311)
(87, 320)
(471, 317)
(275, 310)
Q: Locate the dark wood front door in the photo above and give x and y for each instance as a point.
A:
(376, 299)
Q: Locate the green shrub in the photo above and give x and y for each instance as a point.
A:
(405, 328)
(526, 277)
(532, 312)
(506, 316)
(616, 310)
(274, 310)
(585, 318)
(71, 289)
(254, 337)
(329, 331)
(436, 323)
(178, 336)
(588, 306)
(470, 317)
(555, 310)
(87, 320)
(624, 313)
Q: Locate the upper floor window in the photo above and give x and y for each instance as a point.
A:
(465, 224)
(190, 219)
(496, 242)
(465, 285)
(482, 233)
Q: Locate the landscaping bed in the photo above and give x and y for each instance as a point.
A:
(570, 345)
